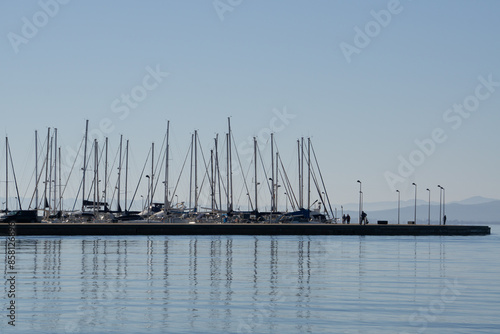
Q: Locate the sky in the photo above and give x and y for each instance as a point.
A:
(391, 93)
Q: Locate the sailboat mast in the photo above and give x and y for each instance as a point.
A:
(84, 162)
(60, 182)
(106, 171)
(195, 170)
(277, 186)
(212, 182)
(50, 171)
(55, 170)
(36, 170)
(227, 174)
(119, 173)
(166, 205)
(217, 169)
(230, 157)
(309, 174)
(191, 173)
(6, 174)
(273, 204)
(298, 164)
(152, 172)
(302, 172)
(45, 203)
(126, 175)
(255, 172)
(96, 177)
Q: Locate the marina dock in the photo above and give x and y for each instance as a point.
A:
(64, 229)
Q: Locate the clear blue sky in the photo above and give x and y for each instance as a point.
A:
(363, 109)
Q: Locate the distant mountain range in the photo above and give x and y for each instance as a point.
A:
(472, 210)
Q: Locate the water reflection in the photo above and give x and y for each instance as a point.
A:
(218, 283)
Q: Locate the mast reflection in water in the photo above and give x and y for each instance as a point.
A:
(260, 284)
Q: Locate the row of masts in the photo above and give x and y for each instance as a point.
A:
(212, 177)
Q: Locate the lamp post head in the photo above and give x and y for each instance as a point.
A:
(428, 189)
(358, 181)
(414, 184)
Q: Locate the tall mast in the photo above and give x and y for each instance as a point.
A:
(309, 174)
(106, 171)
(55, 170)
(60, 183)
(195, 170)
(36, 170)
(126, 175)
(298, 164)
(96, 176)
(227, 174)
(6, 174)
(84, 161)
(50, 171)
(272, 174)
(152, 172)
(120, 173)
(217, 169)
(302, 172)
(45, 203)
(212, 181)
(191, 174)
(166, 205)
(277, 176)
(230, 164)
(255, 172)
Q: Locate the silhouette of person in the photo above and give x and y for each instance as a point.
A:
(363, 217)
(444, 220)
(348, 218)
(343, 219)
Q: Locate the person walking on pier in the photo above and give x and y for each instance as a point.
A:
(348, 219)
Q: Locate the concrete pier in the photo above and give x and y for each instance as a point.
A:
(34, 229)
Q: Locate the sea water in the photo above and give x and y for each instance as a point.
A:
(252, 284)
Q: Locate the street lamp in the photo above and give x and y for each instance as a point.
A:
(415, 212)
(440, 201)
(444, 206)
(399, 201)
(429, 215)
(360, 208)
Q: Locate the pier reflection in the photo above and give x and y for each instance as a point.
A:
(221, 283)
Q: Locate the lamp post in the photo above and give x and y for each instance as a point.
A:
(440, 201)
(444, 206)
(429, 214)
(415, 212)
(399, 202)
(360, 208)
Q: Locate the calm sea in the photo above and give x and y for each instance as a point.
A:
(253, 284)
